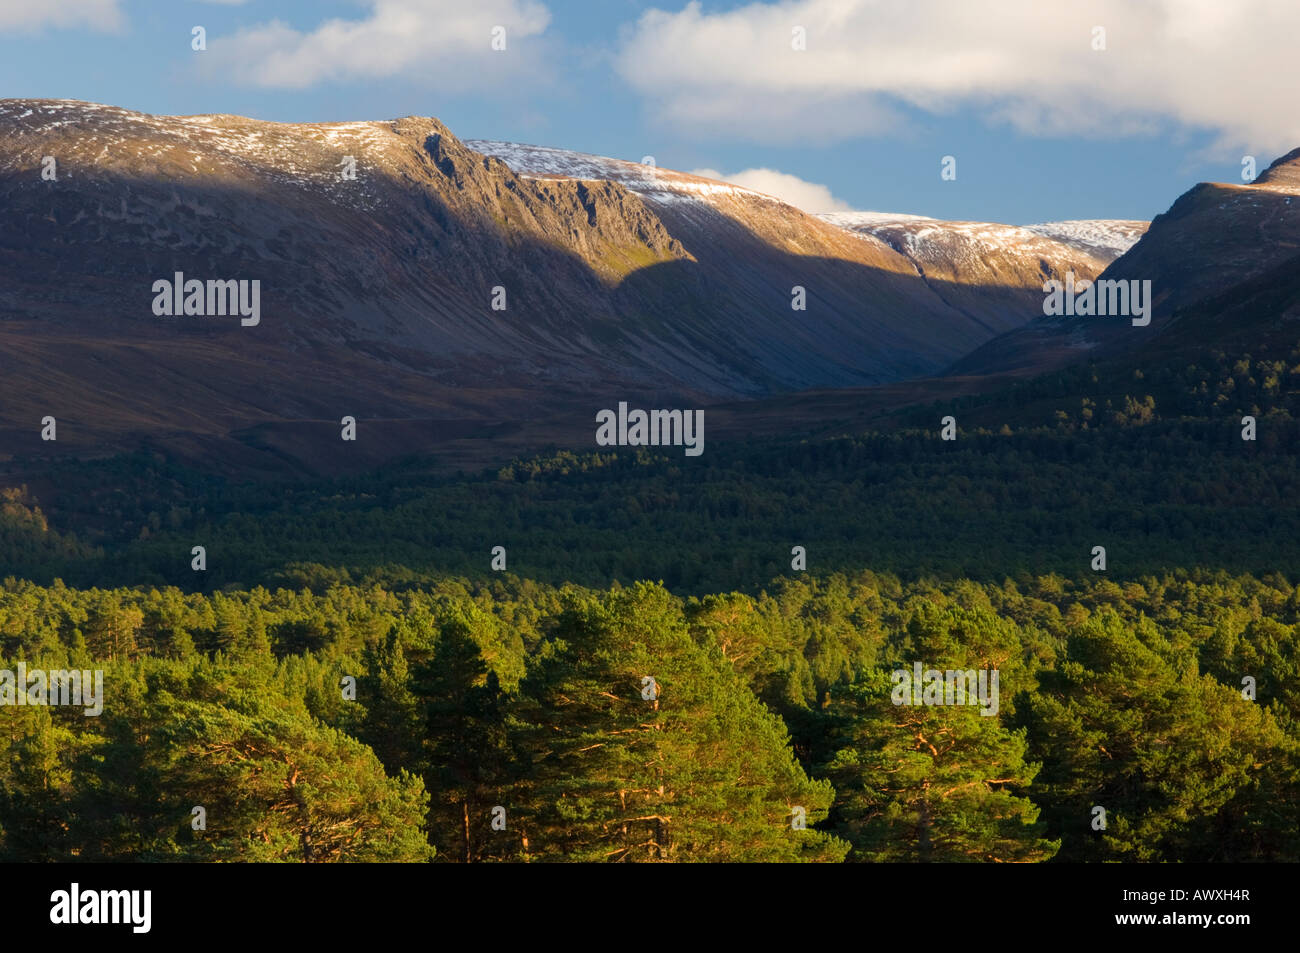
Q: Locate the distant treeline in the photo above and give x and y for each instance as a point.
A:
(1149, 464)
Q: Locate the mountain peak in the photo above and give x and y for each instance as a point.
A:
(1284, 173)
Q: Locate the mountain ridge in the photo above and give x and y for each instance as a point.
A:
(1213, 237)
(378, 290)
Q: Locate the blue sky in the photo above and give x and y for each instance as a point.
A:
(1044, 125)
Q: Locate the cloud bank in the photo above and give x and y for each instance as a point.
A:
(102, 15)
(448, 42)
(1199, 64)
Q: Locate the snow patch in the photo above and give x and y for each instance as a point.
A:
(1111, 237)
(664, 185)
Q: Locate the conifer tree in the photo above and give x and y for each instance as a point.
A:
(646, 746)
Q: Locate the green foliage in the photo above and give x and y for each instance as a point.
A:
(1125, 695)
(698, 770)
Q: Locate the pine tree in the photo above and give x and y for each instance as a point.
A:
(646, 746)
(467, 750)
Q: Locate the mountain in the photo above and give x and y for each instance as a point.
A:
(989, 274)
(619, 281)
(992, 270)
(1213, 239)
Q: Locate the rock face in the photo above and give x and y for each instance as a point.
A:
(1213, 238)
(619, 281)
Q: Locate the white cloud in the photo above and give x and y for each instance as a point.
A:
(808, 196)
(449, 42)
(1202, 64)
(102, 15)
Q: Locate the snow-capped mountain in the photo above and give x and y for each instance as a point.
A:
(1215, 238)
(991, 273)
(643, 178)
(978, 266)
(407, 276)
(1104, 237)
(962, 246)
